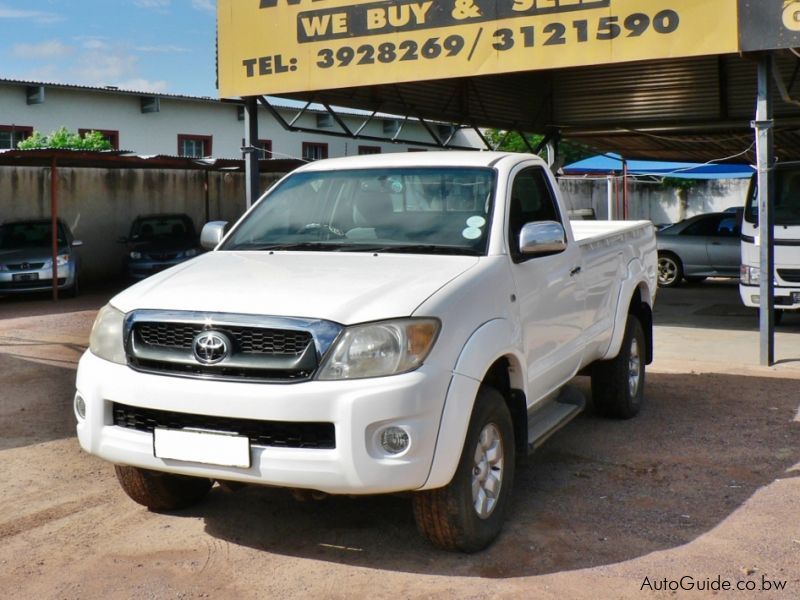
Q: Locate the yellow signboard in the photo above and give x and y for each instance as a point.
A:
(283, 46)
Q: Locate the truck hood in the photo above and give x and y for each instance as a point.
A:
(346, 288)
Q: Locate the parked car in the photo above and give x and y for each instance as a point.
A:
(158, 242)
(702, 246)
(26, 257)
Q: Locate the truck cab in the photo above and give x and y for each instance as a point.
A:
(787, 241)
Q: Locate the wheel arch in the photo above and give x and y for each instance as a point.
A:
(635, 299)
(486, 359)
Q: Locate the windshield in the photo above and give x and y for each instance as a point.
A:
(31, 234)
(415, 210)
(162, 228)
(787, 198)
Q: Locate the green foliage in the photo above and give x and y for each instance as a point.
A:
(678, 183)
(64, 139)
(568, 152)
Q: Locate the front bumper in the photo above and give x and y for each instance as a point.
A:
(358, 410)
(785, 298)
(35, 280)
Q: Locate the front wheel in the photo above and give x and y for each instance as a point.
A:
(468, 513)
(670, 270)
(161, 491)
(618, 384)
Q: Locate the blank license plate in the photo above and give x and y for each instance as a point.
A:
(25, 277)
(202, 447)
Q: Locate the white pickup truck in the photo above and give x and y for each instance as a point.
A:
(374, 324)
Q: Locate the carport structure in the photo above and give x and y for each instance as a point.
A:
(681, 80)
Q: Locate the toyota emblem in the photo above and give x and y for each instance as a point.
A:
(211, 347)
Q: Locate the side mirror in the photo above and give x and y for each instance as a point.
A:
(77, 243)
(212, 234)
(543, 237)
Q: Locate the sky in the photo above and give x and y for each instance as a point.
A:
(144, 45)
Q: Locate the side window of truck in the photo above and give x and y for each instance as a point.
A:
(531, 200)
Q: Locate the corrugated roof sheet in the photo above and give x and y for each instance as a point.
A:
(691, 109)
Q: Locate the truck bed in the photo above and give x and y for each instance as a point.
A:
(587, 232)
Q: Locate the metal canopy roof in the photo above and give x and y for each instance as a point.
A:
(691, 109)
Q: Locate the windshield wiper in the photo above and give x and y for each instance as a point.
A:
(319, 246)
(417, 249)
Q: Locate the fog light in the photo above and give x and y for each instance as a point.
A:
(394, 440)
(80, 407)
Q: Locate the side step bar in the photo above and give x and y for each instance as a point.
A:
(545, 421)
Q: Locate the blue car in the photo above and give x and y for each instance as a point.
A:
(158, 242)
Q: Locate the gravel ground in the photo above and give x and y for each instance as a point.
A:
(704, 483)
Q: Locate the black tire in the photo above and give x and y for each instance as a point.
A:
(612, 380)
(670, 270)
(161, 491)
(696, 279)
(447, 516)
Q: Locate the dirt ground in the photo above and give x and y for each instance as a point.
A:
(703, 484)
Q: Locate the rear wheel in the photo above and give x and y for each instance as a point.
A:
(161, 491)
(618, 384)
(670, 270)
(468, 513)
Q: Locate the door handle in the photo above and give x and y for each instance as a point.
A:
(575, 271)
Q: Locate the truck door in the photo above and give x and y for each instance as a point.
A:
(550, 297)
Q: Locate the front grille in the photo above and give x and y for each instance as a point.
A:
(26, 266)
(265, 354)
(248, 340)
(790, 275)
(163, 256)
(280, 434)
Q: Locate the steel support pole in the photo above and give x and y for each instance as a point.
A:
(766, 232)
(251, 151)
(54, 222)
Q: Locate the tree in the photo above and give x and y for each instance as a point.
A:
(568, 152)
(64, 139)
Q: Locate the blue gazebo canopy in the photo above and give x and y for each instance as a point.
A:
(603, 164)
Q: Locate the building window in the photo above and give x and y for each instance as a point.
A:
(195, 146)
(314, 151)
(11, 135)
(265, 147)
(109, 135)
(369, 149)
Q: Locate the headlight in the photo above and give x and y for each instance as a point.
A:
(380, 349)
(106, 339)
(750, 275)
(190, 253)
(62, 259)
(136, 255)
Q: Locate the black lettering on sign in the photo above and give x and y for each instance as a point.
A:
(376, 18)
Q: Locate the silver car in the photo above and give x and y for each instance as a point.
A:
(26, 257)
(702, 246)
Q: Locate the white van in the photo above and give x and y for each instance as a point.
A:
(787, 241)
